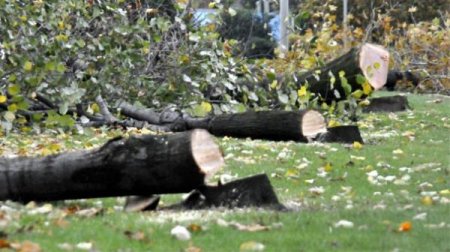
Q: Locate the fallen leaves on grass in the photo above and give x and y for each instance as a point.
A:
(243, 227)
(194, 228)
(137, 236)
(85, 245)
(357, 145)
(405, 226)
(26, 246)
(420, 216)
(252, 246)
(316, 190)
(344, 224)
(427, 200)
(180, 233)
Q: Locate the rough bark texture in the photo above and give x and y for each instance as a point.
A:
(135, 166)
(350, 63)
(269, 125)
(255, 191)
(341, 134)
(394, 103)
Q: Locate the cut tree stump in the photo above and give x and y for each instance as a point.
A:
(140, 165)
(370, 61)
(254, 191)
(341, 134)
(394, 103)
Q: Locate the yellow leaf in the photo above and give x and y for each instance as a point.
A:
(274, 84)
(302, 91)
(3, 98)
(328, 167)
(61, 25)
(212, 5)
(54, 147)
(365, 102)
(206, 106)
(376, 65)
(357, 145)
(444, 192)
(367, 89)
(95, 108)
(397, 152)
(333, 123)
(291, 173)
(427, 201)
(61, 37)
(28, 66)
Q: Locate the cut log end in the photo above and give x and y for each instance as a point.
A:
(313, 123)
(374, 63)
(206, 152)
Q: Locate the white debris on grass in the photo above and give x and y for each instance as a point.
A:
(181, 233)
(344, 224)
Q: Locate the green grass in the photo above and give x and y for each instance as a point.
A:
(375, 210)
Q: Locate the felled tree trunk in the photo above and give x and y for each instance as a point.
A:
(370, 61)
(270, 125)
(136, 166)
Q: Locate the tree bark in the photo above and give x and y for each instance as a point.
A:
(371, 61)
(254, 191)
(394, 103)
(299, 126)
(269, 125)
(341, 134)
(136, 166)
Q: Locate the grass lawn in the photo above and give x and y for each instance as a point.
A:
(391, 194)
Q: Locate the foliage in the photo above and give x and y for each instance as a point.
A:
(393, 188)
(75, 50)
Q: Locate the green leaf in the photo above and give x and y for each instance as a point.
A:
(358, 93)
(23, 105)
(61, 68)
(12, 107)
(28, 66)
(13, 90)
(201, 109)
(344, 83)
(50, 66)
(360, 79)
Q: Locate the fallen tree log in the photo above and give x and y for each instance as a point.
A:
(370, 61)
(299, 126)
(135, 166)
